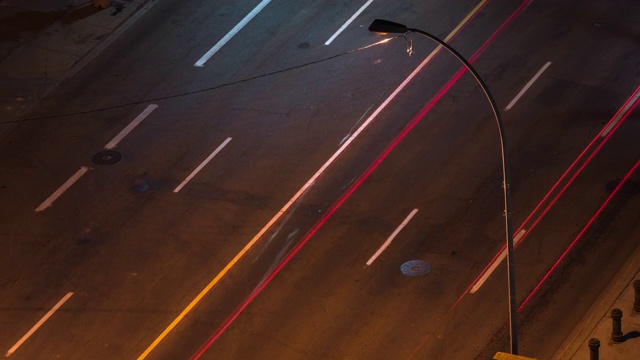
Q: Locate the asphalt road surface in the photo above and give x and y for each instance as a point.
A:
(257, 186)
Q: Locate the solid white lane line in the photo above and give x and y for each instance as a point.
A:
(620, 114)
(38, 324)
(495, 264)
(344, 26)
(232, 33)
(527, 86)
(205, 162)
(45, 204)
(131, 126)
(393, 235)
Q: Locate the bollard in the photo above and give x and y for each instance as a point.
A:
(101, 4)
(636, 302)
(616, 334)
(594, 344)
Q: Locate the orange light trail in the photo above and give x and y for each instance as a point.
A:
(327, 215)
(388, 150)
(200, 296)
(354, 186)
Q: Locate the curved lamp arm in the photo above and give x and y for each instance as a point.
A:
(389, 27)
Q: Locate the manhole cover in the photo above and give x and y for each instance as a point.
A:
(106, 157)
(415, 268)
(303, 45)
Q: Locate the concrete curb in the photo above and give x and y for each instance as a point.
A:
(94, 51)
(91, 54)
(102, 28)
(587, 328)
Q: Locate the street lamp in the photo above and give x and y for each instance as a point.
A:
(386, 27)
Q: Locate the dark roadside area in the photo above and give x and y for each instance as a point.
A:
(43, 41)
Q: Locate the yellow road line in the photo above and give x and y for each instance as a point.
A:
(284, 209)
(465, 20)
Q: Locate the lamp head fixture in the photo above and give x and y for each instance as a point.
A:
(387, 27)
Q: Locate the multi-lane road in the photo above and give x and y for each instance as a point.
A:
(277, 171)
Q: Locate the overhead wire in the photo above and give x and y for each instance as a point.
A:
(199, 91)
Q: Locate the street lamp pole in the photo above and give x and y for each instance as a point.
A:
(385, 26)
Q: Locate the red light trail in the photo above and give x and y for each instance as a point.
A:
(327, 215)
(618, 119)
(354, 186)
(415, 120)
(579, 236)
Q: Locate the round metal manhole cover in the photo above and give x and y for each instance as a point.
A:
(415, 268)
(107, 157)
